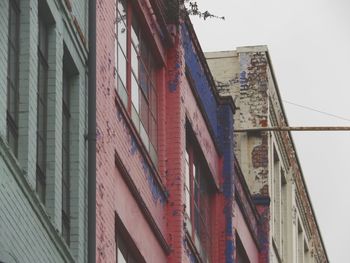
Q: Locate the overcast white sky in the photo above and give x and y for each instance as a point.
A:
(309, 44)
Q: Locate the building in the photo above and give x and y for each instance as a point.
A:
(165, 160)
(173, 181)
(43, 53)
(268, 159)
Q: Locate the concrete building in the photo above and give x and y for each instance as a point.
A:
(268, 159)
(43, 53)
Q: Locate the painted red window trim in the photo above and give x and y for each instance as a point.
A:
(143, 107)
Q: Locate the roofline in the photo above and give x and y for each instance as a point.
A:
(204, 63)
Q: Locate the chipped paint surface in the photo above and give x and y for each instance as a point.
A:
(202, 86)
(225, 130)
(246, 75)
(114, 134)
(199, 126)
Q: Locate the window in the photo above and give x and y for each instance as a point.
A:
(198, 191)
(277, 201)
(124, 255)
(300, 244)
(127, 251)
(136, 76)
(241, 254)
(42, 109)
(12, 76)
(66, 116)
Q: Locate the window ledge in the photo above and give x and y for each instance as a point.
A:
(142, 148)
(20, 177)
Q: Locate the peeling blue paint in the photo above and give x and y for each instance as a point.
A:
(189, 252)
(134, 147)
(201, 83)
(243, 79)
(225, 130)
(157, 193)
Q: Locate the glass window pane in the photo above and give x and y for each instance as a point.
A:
(153, 132)
(144, 136)
(42, 79)
(12, 139)
(135, 118)
(122, 35)
(135, 93)
(121, 9)
(122, 93)
(144, 53)
(13, 26)
(134, 62)
(41, 118)
(121, 258)
(42, 37)
(40, 185)
(144, 111)
(135, 33)
(153, 154)
(12, 103)
(121, 66)
(12, 65)
(143, 79)
(153, 102)
(40, 154)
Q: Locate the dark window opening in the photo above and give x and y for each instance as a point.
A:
(43, 69)
(13, 77)
(69, 77)
(66, 116)
(127, 251)
(241, 254)
(199, 190)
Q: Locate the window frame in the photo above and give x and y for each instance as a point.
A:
(122, 237)
(201, 171)
(42, 99)
(66, 224)
(13, 88)
(146, 126)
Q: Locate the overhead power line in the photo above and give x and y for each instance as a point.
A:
(315, 110)
(287, 128)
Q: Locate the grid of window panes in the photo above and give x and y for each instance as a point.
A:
(201, 206)
(198, 192)
(188, 191)
(121, 52)
(137, 90)
(12, 76)
(42, 110)
(66, 116)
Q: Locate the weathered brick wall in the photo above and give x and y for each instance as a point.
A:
(26, 232)
(246, 74)
(212, 124)
(18, 178)
(116, 137)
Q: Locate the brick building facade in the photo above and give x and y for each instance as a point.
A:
(171, 185)
(268, 159)
(43, 81)
(165, 163)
